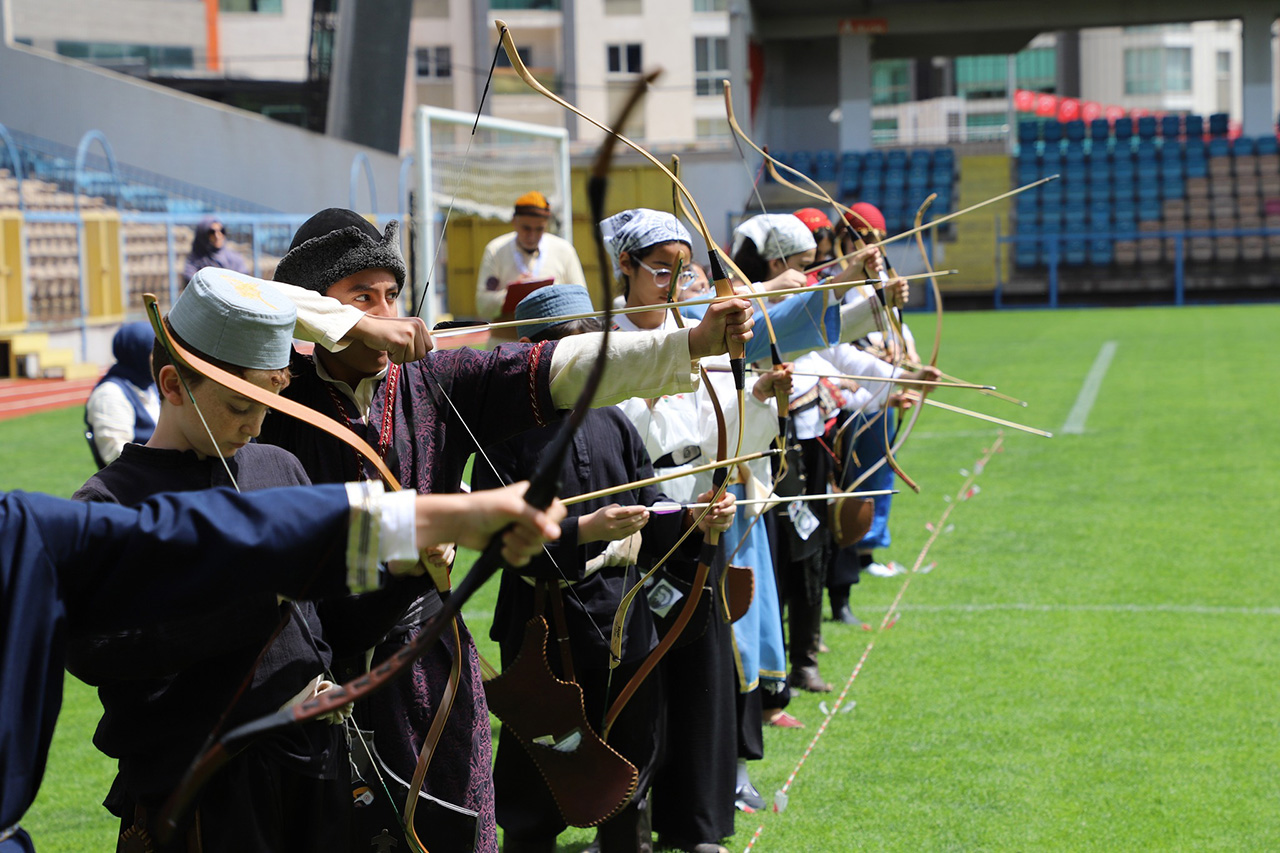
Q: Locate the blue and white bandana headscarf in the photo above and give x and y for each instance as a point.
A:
(634, 230)
(776, 235)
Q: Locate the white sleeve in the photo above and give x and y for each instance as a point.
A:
(858, 319)
(849, 359)
(640, 364)
(111, 417)
(321, 319)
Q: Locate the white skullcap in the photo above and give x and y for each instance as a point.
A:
(776, 235)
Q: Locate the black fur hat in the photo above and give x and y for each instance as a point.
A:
(336, 243)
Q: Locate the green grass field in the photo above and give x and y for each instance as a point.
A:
(1091, 664)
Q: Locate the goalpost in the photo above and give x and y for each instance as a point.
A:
(458, 174)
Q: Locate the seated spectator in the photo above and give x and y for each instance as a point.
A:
(209, 249)
(124, 405)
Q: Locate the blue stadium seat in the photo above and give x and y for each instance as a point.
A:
(1147, 170)
(920, 157)
(1123, 129)
(941, 176)
(1122, 170)
(1122, 188)
(850, 160)
(896, 158)
(894, 176)
(872, 195)
(1075, 193)
(1125, 214)
(1172, 186)
(781, 157)
(1026, 255)
(1075, 213)
(1051, 163)
(1171, 169)
(941, 204)
(1101, 252)
(802, 161)
(824, 165)
(1075, 248)
(1075, 130)
(1197, 167)
(1026, 207)
(944, 157)
(1147, 127)
(1193, 126)
(918, 176)
(1099, 130)
(1028, 133)
(871, 177)
(1027, 172)
(1218, 124)
(873, 159)
(1148, 206)
(1052, 131)
(1050, 195)
(1219, 146)
(1100, 211)
(849, 182)
(1171, 127)
(1267, 144)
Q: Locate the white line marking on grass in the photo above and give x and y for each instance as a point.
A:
(1197, 609)
(1089, 392)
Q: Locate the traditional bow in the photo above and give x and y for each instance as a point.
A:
(723, 288)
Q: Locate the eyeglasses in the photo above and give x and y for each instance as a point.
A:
(662, 276)
(217, 229)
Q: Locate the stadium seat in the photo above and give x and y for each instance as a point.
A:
(1123, 129)
(1026, 207)
(1267, 144)
(921, 157)
(1170, 127)
(1147, 127)
(849, 182)
(1075, 131)
(1099, 130)
(1193, 126)
(1172, 187)
(824, 165)
(1101, 252)
(941, 176)
(1028, 133)
(1219, 146)
(1244, 146)
(1052, 132)
(896, 159)
(1074, 248)
(802, 162)
(873, 159)
(1149, 208)
(1219, 123)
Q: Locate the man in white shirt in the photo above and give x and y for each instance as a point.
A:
(528, 253)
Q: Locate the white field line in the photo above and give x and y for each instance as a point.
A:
(1191, 609)
(1089, 391)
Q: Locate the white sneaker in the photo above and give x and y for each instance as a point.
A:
(883, 570)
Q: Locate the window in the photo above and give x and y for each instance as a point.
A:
(1157, 70)
(712, 128)
(148, 57)
(710, 64)
(272, 6)
(710, 5)
(434, 62)
(891, 81)
(624, 58)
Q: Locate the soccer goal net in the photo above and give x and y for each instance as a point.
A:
(459, 175)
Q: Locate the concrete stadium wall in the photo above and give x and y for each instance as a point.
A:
(187, 138)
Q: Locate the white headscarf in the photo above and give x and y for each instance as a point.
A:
(634, 230)
(776, 235)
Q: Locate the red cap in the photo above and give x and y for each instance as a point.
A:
(863, 216)
(813, 218)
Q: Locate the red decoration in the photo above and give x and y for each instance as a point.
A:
(1068, 109)
(1046, 106)
(1089, 110)
(1024, 100)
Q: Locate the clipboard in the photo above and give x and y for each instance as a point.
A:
(518, 290)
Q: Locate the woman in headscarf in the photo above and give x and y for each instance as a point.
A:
(209, 249)
(124, 405)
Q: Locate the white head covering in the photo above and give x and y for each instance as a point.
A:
(776, 235)
(633, 230)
